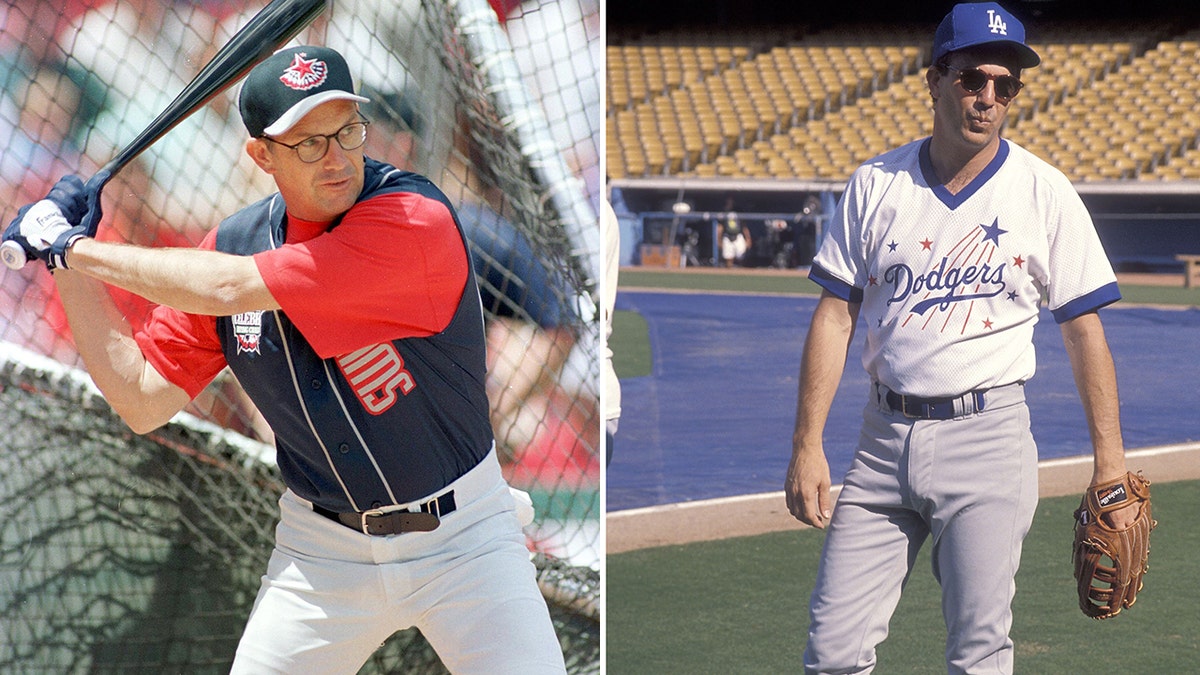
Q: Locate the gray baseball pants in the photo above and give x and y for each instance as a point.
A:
(970, 483)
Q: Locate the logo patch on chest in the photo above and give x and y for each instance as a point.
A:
(247, 328)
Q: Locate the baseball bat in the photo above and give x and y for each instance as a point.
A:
(266, 32)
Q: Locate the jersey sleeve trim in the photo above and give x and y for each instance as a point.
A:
(834, 285)
(1101, 297)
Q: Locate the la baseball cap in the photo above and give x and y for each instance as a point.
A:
(287, 85)
(982, 23)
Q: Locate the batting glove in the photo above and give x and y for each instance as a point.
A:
(44, 233)
(90, 220)
(80, 201)
(70, 195)
(77, 203)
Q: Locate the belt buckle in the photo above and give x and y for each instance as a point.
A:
(904, 409)
(376, 513)
(425, 518)
(362, 522)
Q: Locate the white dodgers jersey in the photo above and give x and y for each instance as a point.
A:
(950, 284)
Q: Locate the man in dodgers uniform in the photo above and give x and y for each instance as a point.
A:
(943, 248)
(346, 307)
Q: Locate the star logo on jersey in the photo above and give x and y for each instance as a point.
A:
(304, 74)
(247, 330)
(964, 274)
(993, 232)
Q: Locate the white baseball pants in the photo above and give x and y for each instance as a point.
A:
(332, 596)
(971, 483)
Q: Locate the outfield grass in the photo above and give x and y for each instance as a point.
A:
(631, 345)
(740, 605)
(718, 280)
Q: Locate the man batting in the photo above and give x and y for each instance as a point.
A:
(345, 305)
(944, 248)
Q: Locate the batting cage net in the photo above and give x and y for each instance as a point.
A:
(125, 553)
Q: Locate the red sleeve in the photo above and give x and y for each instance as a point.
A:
(395, 267)
(183, 347)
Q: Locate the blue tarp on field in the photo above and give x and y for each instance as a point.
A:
(715, 417)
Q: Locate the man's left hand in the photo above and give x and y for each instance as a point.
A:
(1112, 544)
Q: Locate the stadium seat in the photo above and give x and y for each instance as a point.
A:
(692, 101)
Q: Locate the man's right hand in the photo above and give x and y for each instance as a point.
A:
(807, 487)
(46, 228)
(44, 233)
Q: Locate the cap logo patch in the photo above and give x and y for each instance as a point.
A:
(304, 74)
(996, 23)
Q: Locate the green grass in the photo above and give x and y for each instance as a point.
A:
(630, 336)
(1160, 295)
(718, 280)
(740, 605)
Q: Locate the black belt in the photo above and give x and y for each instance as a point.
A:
(936, 408)
(381, 522)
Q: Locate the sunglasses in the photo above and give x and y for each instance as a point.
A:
(973, 80)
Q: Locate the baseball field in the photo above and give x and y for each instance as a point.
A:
(721, 585)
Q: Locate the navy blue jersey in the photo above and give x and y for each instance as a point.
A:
(384, 423)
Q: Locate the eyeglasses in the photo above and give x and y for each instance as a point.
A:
(973, 80)
(313, 148)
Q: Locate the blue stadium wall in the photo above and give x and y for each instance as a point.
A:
(1141, 226)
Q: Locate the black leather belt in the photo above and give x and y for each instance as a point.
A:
(382, 522)
(937, 408)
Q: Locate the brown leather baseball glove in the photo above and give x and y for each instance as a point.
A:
(1110, 563)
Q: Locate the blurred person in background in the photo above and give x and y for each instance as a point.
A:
(560, 50)
(735, 240)
(529, 331)
(145, 52)
(610, 232)
(33, 150)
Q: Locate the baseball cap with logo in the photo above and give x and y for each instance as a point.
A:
(291, 82)
(983, 23)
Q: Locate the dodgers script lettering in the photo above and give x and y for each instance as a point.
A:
(945, 283)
